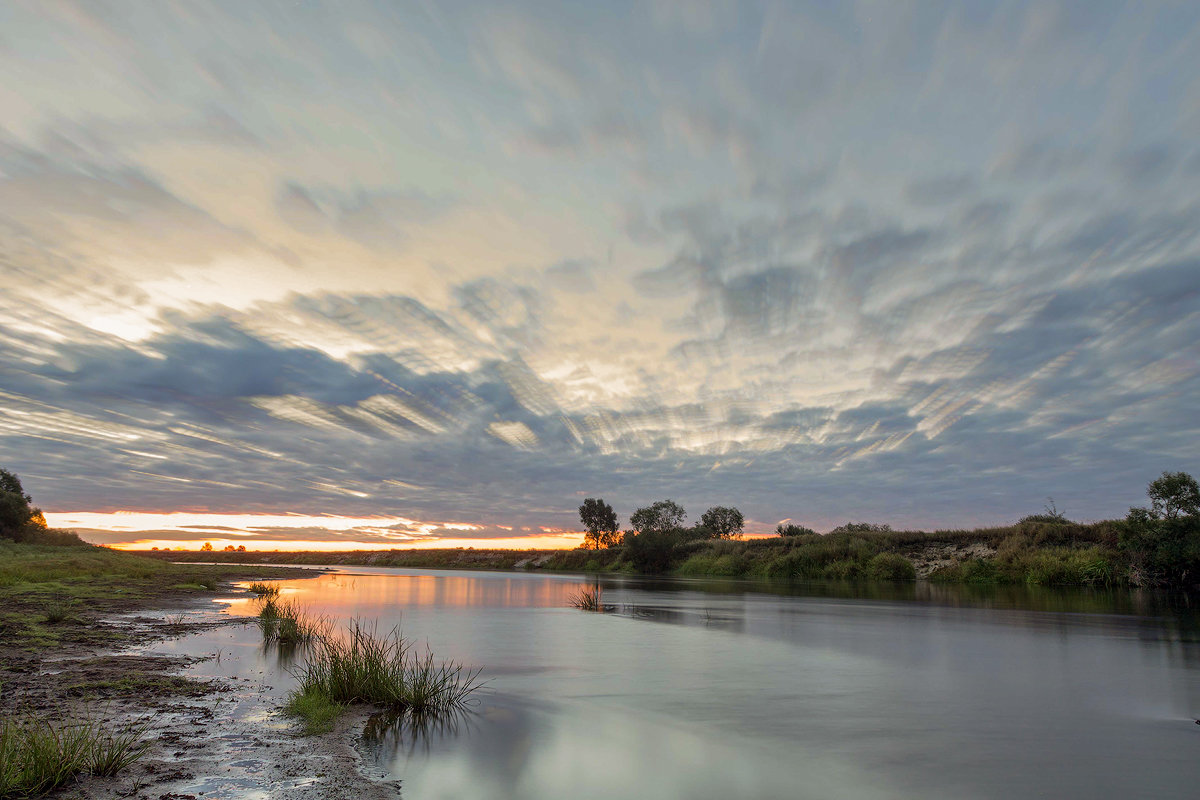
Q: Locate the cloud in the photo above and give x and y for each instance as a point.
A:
(917, 265)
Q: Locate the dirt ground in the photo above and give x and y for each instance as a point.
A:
(92, 663)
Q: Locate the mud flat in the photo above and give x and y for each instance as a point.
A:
(90, 633)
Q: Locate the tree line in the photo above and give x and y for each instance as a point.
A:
(602, 528)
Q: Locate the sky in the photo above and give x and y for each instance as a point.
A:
(379, 274)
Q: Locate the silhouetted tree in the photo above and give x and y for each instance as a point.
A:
(600, 522)
(206, 547)
(16, 513)
(660, 517)
(793, 530)
(1174, 494)
(723, 522)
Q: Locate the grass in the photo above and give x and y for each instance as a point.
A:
(358, 666)
(317, 712)
(261, 589)
(588, 598)
(284, 622)
(37, 755)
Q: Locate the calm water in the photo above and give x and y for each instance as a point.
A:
(719, 690)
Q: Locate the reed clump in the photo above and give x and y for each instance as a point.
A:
(588, 598)
(37, 755)
(267, 590)
(359, 666)
(285, 622)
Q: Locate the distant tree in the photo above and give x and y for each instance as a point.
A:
(660, 517)
(600, 523)
(229, 549)
(1173, 495)
(793, 530)
(207, 547)
(16, 512)
(723, 522)
(241, 548)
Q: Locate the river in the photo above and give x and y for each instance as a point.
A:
(728, 689)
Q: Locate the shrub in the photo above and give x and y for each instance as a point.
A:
(890, 567)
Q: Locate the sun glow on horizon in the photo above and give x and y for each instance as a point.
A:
(140, 530)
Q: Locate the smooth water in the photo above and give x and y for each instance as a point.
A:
(699, 689)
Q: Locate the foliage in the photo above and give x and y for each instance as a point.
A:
(890, 567)
(1162, 542)
(1174, 495)
(37, 755)
(361, 667)
(724, 522)
(794, 530)
(861, 527)
(1050, 515)
(19, 520)
(315, 709)
(600, 522)
(660, 517)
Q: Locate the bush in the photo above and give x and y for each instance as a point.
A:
(890, 567)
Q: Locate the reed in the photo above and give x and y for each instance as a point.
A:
(261, 589)
(359, 666)
(37, 755)
(588, 598)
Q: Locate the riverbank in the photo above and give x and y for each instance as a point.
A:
(77, 625)
(1033, 553)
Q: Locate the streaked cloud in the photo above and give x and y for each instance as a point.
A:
(918, 263)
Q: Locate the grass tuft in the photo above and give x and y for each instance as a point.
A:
(588, 598)
(261, 589)
(359, 666)
(37, 755)
(285, 622)
(315, 709)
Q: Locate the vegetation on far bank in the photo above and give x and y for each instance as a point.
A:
(1154, 546)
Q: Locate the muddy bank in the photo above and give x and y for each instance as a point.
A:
(212, 737)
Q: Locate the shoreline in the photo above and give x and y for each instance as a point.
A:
(206, 733)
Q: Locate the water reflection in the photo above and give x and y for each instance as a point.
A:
(722, 688)
(389, 735)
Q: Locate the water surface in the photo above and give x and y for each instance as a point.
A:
(702, 689)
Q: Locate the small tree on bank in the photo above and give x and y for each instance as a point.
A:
(600, 523)
(660, 517)
(1163, 541)
(723, 522)
(1174, 495)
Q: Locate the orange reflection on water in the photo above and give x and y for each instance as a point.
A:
(350, 594)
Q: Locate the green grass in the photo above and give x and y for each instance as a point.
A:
(261, 589)
(358, 666)
(37, 755)
(317, 712)
(285, 622)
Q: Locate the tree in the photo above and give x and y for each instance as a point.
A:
(1163, 541)
(1173, 495)
(206, 547)
(600, 522)
(794, 530)
(16, 513)
(723, 522)
(660, 517)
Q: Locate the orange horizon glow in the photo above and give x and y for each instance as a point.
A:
(523, 543)
(147, 529)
